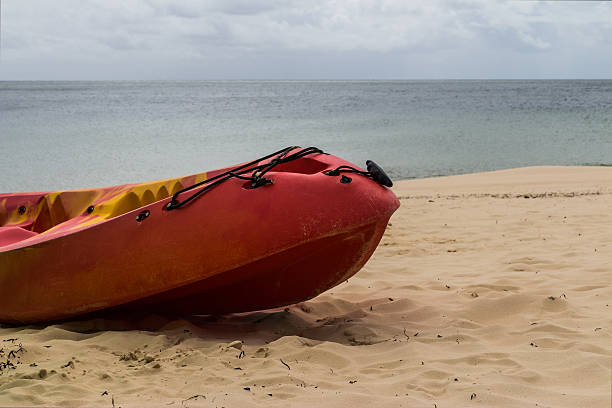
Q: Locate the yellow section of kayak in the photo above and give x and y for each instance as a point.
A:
(55, 208)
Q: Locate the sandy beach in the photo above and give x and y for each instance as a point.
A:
(490, 289)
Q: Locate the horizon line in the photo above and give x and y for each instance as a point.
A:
(305, 79)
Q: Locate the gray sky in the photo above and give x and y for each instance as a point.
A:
(308, 39)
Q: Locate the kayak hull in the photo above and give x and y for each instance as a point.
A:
(233, 249)
(289, 277)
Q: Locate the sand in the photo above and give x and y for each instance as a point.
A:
(489, 289)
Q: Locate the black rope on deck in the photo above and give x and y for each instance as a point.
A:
(375, 172)
(256, 178)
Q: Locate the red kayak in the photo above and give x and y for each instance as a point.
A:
(264, 234)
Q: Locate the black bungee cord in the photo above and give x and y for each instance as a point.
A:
(257, 178)
(375, 172)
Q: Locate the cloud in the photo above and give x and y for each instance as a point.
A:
(205, 36)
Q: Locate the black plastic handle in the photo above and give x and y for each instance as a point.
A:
(378, 174)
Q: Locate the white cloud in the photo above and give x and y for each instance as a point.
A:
(80, 39)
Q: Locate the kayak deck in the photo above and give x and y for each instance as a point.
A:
(23, 216)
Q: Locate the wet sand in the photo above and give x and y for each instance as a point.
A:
(489, 289)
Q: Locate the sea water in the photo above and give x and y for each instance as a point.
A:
(63, 135)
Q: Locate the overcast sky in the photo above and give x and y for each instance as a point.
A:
(304, 39)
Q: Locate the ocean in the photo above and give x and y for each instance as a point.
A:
(64, 135)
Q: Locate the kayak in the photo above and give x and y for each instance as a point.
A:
(269, 233)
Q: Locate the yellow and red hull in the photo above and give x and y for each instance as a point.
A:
(233, 249)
